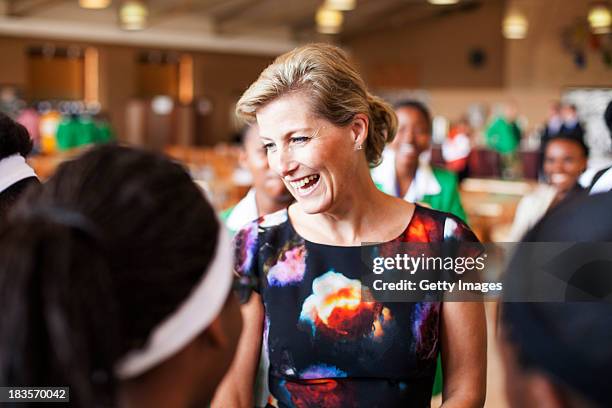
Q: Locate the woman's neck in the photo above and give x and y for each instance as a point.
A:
(356, 218)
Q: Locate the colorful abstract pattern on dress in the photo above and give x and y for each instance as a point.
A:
(330, 344)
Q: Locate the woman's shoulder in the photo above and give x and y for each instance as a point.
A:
(440, 226)
(267, 225)
(269, 230)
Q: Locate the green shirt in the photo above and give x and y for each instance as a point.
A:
(503, 136)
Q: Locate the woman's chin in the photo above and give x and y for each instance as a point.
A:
(312, 205)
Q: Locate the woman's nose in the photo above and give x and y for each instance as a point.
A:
(284, 163)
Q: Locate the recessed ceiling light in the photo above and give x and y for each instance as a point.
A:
(599, 18)
(342, 5)
(514, 26)
(329, 21)
(133, 15)
(94, 4)
(443, 2)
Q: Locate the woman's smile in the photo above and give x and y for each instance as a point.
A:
(304, 186)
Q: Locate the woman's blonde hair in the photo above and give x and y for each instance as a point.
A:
(336, 90)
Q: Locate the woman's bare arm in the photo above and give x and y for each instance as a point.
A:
(464, 354)
(236, 389)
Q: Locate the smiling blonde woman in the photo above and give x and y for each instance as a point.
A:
(322, 131)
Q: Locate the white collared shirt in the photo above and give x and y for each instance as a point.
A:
(243, 213)
(604, 184)
(424, 183)
(13, 169)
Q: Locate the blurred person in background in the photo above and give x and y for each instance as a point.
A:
(602, 180)
(565, 159)
(329, 348)
(552, 127)
(554, 122)
(504, 136)
(406, 171)
(457, 147)
(115, 281)
(268, 194)
(571, 126)
(15, 174)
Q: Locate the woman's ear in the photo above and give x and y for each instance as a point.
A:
(359, 129)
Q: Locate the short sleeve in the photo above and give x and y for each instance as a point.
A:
(246, 248)
(458, 232)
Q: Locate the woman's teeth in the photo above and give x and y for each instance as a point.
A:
(302, 182)
(558, 178)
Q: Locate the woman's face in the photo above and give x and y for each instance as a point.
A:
(413, 136)
(316, 159)
(564, 162)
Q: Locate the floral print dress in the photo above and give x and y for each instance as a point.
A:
(327, 346)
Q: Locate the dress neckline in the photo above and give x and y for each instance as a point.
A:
(402, 234)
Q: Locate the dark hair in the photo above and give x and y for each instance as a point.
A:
(608, 117)
(579, 141)
(91, 262)
(541, 332)
(14, 138)
(418, 106)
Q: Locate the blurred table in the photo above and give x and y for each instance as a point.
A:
(213, 168)
(45, 165)
(491, 203)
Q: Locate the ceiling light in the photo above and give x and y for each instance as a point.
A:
(515, 26)
(133, 15)
(600, 18)
(443, 2)
(162, 105)
(94, 4)
(329, 21)
(341, 5)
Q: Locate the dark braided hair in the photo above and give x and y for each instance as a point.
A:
(91, 262)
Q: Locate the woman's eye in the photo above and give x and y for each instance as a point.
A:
(268, 146)
(299, 139)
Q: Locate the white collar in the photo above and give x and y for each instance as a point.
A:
(243, 213)
(424, 183)
(13, 169)
(604, 184)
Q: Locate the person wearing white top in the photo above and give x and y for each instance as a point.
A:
(565, 160)
(15, 174)
(268, 195)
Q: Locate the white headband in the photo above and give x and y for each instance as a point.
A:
(13, 169)
(190, 319)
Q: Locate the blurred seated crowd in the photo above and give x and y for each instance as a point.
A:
(138, 309)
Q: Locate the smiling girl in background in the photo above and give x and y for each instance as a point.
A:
(565, 159)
